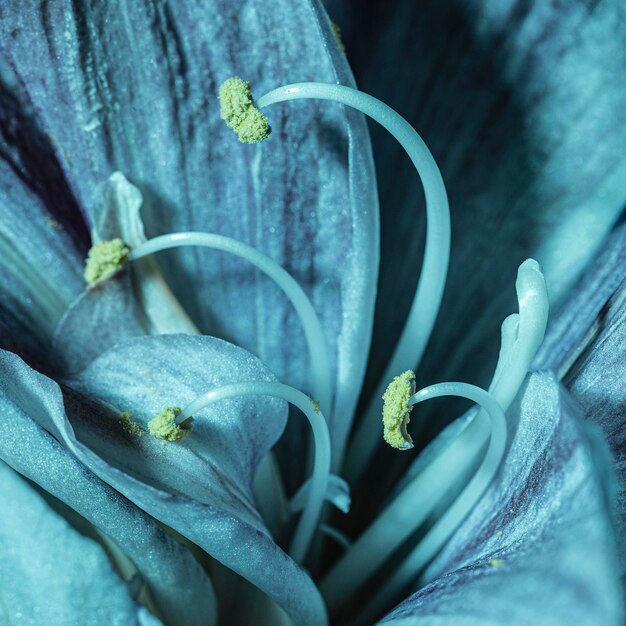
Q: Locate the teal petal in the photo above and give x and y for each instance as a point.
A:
(522, 105)
(539, 546)
(42, 235)
(101, 317)
(580, 318)
(200, 487)
(595, 378)
(49, 573)
(181, 590)
(132, 87)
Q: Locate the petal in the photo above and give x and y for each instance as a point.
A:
(201, 487)
(177, 583)
(522, 107)
(50, 574)
(132, 88)
(596, 380)
(581, 316)
(42, 235)
(523, 554)
(101, 317)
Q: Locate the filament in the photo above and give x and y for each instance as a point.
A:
(321, 463)
(427, 300)
(522, 337)
(441, 531)
(316, 341)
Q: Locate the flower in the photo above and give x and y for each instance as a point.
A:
(110, 125)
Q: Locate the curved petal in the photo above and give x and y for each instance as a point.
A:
(200, 487)
(101, 317)
(132, 87)
(521, 104)
(49, 573)
(523, 554)
(595, 378)
(42, 235)
(177, 583)
(582, 314)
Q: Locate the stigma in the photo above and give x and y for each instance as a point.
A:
(396, 410)
(237, 109)
(104, 259)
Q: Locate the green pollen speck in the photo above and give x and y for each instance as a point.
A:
(238, 111)
(496, 563)
(396, 409)
(104, 259)
(163, 426)
(130, 425)
(337, 33)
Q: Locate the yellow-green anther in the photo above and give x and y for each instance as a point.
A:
(131, 426)
(104, 259)
(396, 409)
(238, 111)
(164, 426)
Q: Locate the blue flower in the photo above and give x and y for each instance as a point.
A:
(110, 129)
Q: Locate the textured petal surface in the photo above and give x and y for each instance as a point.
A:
(596, 380)
(182, 591)
(98, 319)
(42, 235)
(132, 87)
(49, 573)
(521, 104)
(523, 554)
(582, 315)
(201, 487)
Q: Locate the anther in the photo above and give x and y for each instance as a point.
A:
(396, 409)
(237, 109)
(104, 259)
(164, 426)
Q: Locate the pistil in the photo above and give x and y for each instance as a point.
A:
(522, 335)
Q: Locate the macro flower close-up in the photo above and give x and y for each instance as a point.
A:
(312, 313)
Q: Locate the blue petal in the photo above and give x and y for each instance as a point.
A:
(42, 235)
(201, 487)
(539, 546)
(101, 317)
(595, 378)
(177, 583)
(581, 316)
(132, 87)
(50, 574)
(522, 105)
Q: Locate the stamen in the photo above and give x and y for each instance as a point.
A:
(442, 530)
(164, 425)
(314, 335)
(321, 439)
(396, 409)
(104, 259)
(423, 312)
(315, 338)
(419, 497)
(238, 111)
